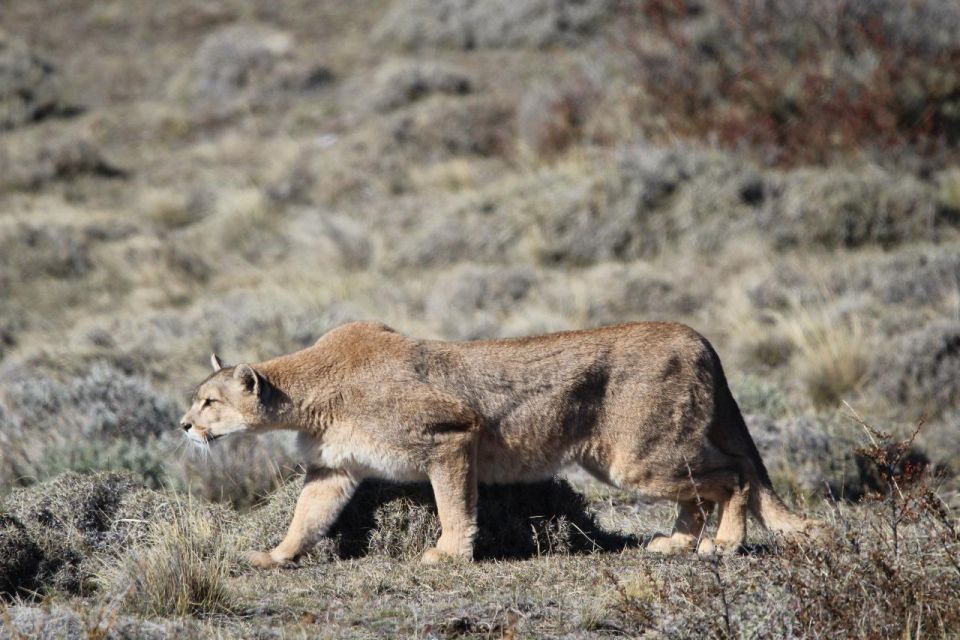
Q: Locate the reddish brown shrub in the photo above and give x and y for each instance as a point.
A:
(802, 82)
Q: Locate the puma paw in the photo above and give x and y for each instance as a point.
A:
(435, 556)
(707, 547)
(263, 560)
(670, 545)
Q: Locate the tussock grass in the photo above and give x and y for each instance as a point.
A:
(181, 571)
(831, 353)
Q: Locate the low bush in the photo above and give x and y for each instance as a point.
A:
(443, 127)
(615, 292)
(848, 209)
(499, 23)
(470, 301)
(552, 117)
(919, 372)
(71, 522)
(232, 61)
(876, 580)
(102, 419)
(20, 558)
(181, 571)
(30, 86)
(398, 84)
(31, 165)
(769, 77)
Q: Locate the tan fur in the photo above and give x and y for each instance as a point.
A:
(642, 406)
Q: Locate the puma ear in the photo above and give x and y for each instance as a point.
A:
(216, 362)
(249, 378)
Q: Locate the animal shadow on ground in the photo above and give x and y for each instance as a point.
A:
(515, 522)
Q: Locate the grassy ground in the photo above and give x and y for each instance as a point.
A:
(177, 179)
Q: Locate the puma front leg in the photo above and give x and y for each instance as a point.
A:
(325, 493)
(453, 476)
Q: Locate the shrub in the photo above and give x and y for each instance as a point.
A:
(445, 126)
(31, 165)
(233, 60)
(770, 77)
(920, 370)
(475, 228)
(75, 519)
(19, 558)
(498, 23)
(551, 117)
(831, 353)
(102, 402)
(28, 252)
(398, 84)
(30, 86)
(614, 292)
(887, 559)
(643, 206)
(470, 301)
(756, 395)
(182, 571)
(814, 456)
(924, 277)
(848, 209)
(103, 419)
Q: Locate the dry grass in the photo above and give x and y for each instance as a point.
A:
(181, 570)
(831, 353)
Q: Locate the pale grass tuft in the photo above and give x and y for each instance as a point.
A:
(830, 352)
(754, 335)
(181, 571)
(949, 182)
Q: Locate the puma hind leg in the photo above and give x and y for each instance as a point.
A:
(687, 530)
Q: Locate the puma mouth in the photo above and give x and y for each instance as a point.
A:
(206, 437)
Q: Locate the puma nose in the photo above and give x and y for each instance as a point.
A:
(185, 426)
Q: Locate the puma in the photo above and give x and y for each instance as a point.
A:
(642, 406)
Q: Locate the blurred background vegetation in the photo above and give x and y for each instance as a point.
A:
(178, 178)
